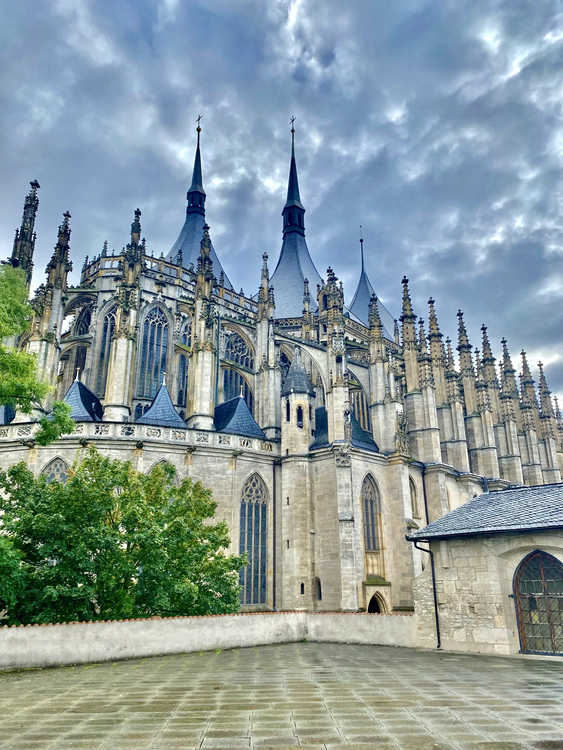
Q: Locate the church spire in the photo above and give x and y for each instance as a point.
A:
(24, 241)
(196, 193)
(293, 212)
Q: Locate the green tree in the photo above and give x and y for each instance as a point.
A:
(112, 543)
(19, 385)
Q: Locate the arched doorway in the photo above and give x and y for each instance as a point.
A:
(374, 608)
(538, 593)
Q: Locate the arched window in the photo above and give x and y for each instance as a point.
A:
(318, 590)
(538, 594)
(83, 321)
(253, 535)
(232, 382)
(56, 471)
(153, 353)
(371, 508)
(414, 499)
(103, 361)
(182, 379)
(300, 416)
(325, 301)
(238, 351)
(359, 404)
(287, 411)
(186, 337)
(138, 411)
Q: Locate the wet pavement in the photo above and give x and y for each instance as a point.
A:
(317, 695)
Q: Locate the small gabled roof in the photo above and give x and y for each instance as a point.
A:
(162, 412)
(234, 417)
(361, 438)
(86, 406)
(519, 509)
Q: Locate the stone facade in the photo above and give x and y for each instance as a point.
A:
(388, 434)
(475, 590)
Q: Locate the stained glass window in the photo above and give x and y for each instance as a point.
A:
(107, 334)
(238, 351)
(232, 382)
(153, 353)
(253, 534)
(371, 508)
(56, 471)
(538, 590)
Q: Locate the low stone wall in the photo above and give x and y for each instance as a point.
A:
(81, 643)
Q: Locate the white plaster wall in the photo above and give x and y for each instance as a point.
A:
(80, 643)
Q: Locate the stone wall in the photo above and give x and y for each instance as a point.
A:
(474, 578)
(80, 643)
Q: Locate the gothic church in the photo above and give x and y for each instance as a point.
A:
(326, 431)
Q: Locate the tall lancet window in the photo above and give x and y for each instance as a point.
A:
(153, 353)
(253, 535)
(182, 379)
(103, 361)
(371, 508)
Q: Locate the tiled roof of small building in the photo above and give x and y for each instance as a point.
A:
(519, 509)
(162, 412)
(234, 417)
(86, 406)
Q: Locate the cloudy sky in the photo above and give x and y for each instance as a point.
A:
(435, 125)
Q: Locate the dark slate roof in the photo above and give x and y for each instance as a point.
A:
(197, 178)
(189, 240)
(294, 266)
(7, 414)
(297, 379)
(359, 306)
(321, 428)
(361, 438)
(519, 509)
(234, 417)
(162, 412)
(293, 197)
(86, 406)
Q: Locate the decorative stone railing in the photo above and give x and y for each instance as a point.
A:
(146, 433)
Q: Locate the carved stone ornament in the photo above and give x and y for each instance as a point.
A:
(342, 455)
(153, 432)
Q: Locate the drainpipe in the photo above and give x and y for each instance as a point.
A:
(423, 466)
(433, 571)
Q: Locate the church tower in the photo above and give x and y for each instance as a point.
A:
(24, 241)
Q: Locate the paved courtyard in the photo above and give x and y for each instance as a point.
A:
(317, 695)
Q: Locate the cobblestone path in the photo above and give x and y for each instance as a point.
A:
(317, 695)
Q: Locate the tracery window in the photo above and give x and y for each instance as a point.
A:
(103, 361)
(56, 471)
(232, 382)
(186, 337)
(83, 321)
(238, 351)
(153, 353)
(253, 537)
(360, 406)
(371, 508)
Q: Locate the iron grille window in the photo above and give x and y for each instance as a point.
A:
(370, 504)
(107, 334)
(253, 536)
(56, 471)
(238, 351)
(538, 590)
(153, 353)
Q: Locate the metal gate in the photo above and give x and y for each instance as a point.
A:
(538, 592)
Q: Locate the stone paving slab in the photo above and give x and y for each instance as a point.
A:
(317, 696)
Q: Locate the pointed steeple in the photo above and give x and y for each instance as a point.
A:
(424, 359)
(294, 264)
(435, 336)
(293, 212)
(185, 251)
(359, 307)
(408, 318)
(546, 406)
(61, 252)
(24, 241)
(196, 194)
(464, 347)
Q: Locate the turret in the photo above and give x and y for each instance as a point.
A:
(298, 397)
(24, 241)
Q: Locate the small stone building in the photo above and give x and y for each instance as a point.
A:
(493, 582)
